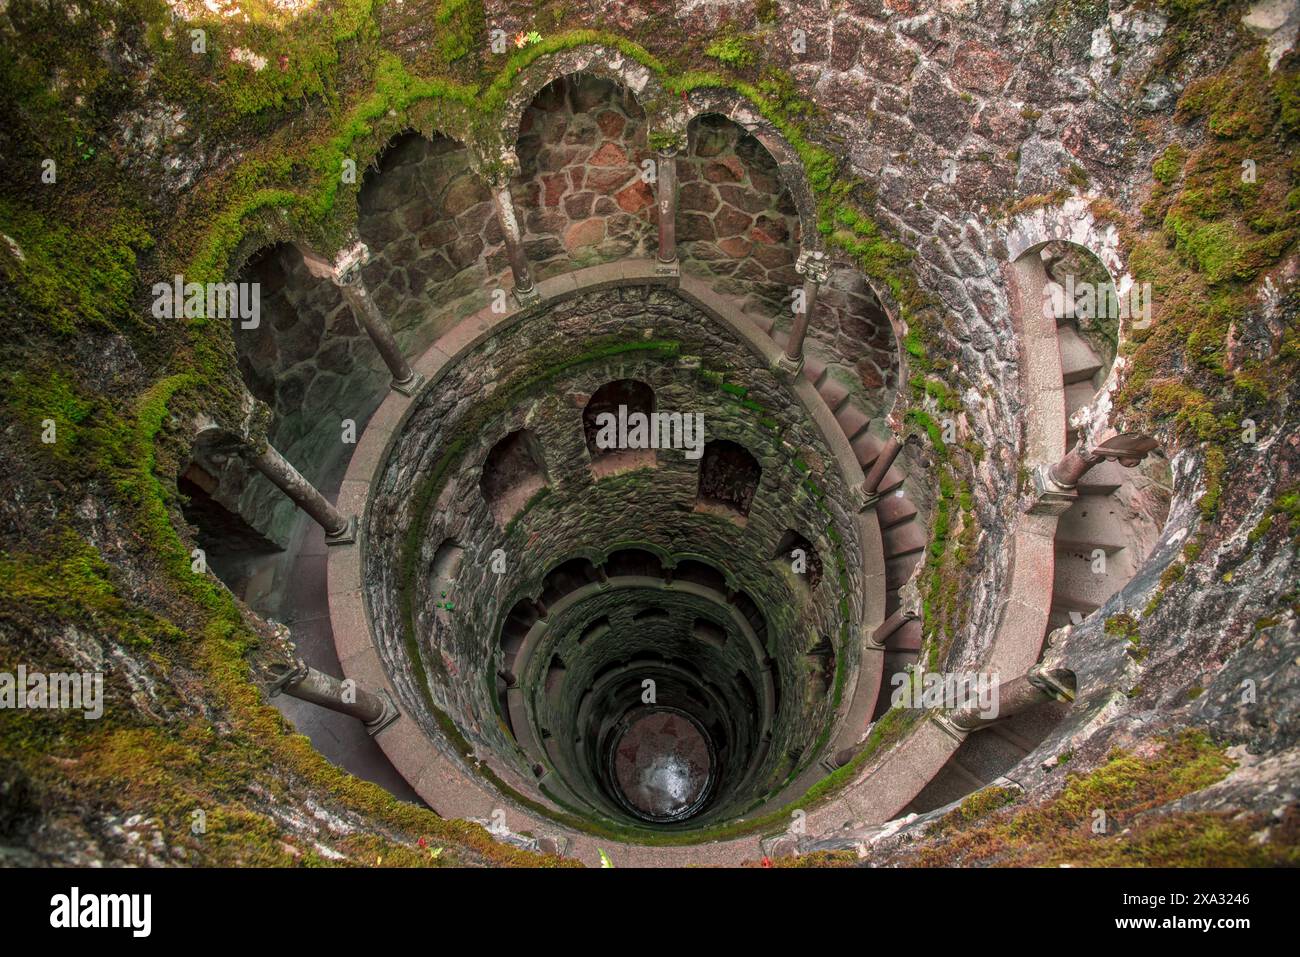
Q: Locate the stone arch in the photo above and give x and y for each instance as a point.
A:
(857, 337)
(1106, 531)
(737, 224)
(729, 477)
(513, 472)
(427, 216)
(209, 485)
(634, 395)
(701, 572)
(1073, 222)
(634, 560)
(741, 111)
(593, 59)
(579, 189)
(566, 577)
(514, 627)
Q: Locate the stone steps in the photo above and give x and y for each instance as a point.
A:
(1076, 584)
(1092, 521)
(893, 510)
(1078, 362)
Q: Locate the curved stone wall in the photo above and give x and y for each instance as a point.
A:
(429, 493)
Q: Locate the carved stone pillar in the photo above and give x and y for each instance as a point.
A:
(339, 529)
(375, 711)
(814, 267)
(345, 272)
(1010, 698)
(1055, 485)
(868, 493)
(498, 176)
(890, 625)
(666, 263)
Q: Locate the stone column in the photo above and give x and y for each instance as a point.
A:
(1055, 485)
(868, 493)
(602, 576)
(339, 529)
(890, 625)
(815, 269)
(345, 272)
(375, 711)
(1037, 686)
(666, 263)
(498, 177)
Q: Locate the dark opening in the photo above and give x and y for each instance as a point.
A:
(635, 396)
(513, 472)
(801, 558)
(728, 476)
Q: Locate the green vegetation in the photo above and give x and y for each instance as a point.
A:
(734, 51)
(82, 256)
(1060, 830)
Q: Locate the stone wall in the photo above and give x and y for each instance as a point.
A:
(580, 194)
(577, 514)
(435, 254)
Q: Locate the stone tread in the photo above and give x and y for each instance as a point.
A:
(1078, 362)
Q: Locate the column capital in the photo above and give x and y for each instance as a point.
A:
(813, 264)
(788, 367)
(1060, 683)
(344, 269)
(498, 168)
(949, 728)
(667, 139)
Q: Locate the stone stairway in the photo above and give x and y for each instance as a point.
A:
(904, 536)
(1093, 558)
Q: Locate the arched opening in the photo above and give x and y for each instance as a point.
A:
(232, 547)
(512, 474)
(1105, 535)
(736, 221)
(616, 424)
(428, 219)
(580, 190)
(634, 561)
(750, 611)
(728, 478)
(522, 617)
(567, 577)
(700, 573)
(797, 554)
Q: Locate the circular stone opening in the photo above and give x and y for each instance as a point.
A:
(662, 765)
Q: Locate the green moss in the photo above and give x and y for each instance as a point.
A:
(733, 50)
(1124, 626)
(980, 804)
(462, 24)
(74, 269)
(72, 584)
(1060, 830)
(1170, 164)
